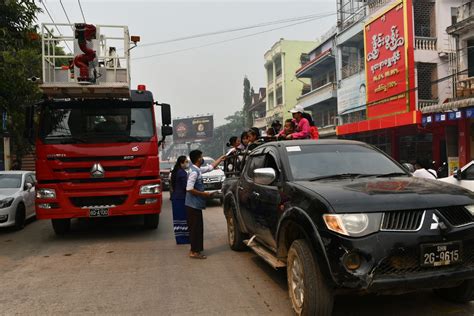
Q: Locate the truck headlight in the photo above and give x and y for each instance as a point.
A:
(6, 202)
(150, 189)
(353, 225)
(470, 208)
(46, 194)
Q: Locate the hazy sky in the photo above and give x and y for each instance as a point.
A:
(202, 80)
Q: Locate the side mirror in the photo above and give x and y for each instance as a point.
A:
(28, 186)
(166, 130)
(458, 174)
(165, 114)
(264, 176)
(409, 167)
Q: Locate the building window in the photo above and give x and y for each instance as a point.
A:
(278, 66)
(270, 73)
(470, 58)
(352, 61)
(279, 96)
(270, 101)
(427, 75)
(425, 17)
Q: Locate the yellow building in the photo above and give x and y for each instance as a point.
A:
(283, 88)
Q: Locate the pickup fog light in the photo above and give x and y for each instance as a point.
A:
(6, 202)
(3, 218)
(352, 260)
(150, 189)
(470, 208)
(354, 225)
(151, 201)
(46, 194)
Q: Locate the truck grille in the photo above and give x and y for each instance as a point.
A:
(94, 201)
(408, 262)
(456, 215)
(106, 169)
(402, 220)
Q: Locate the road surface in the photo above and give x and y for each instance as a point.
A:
(115, 267)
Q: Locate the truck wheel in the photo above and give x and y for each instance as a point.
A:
(151, 221)
(309, 293)
(234, 235)
(463, 293)
(61, 226)
(20, 217)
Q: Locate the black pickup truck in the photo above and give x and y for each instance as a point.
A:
(344, 217)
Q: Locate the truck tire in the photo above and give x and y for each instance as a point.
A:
(463, 293)
(20, 216)
(151, 221)
(61, 226)
(235, 237)
(309, 293)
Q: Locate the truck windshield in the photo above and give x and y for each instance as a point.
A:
(95, 121)
(314, 161)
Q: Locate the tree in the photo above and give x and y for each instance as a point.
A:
(234, 127)
(248, 96)
(20, 59)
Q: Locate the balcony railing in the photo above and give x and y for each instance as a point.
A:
(351, 69)
(374, 5)
(424, 103)
(465, 11)
(465, 87)
(425, 43)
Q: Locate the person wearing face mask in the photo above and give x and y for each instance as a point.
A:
(179, 179)
(196, 201)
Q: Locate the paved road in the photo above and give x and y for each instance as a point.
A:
(115, 267)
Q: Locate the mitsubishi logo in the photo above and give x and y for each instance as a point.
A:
(97, 171)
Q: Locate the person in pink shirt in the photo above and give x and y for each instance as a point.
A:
(302, 125)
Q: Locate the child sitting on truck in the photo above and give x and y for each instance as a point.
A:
(288, 129)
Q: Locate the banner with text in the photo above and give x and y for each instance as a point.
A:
(193, 129)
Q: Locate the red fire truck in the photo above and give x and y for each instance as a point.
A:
(97, 142)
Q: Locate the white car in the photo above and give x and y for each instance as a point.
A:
(214, 179)
(463, 177)
(17, 197)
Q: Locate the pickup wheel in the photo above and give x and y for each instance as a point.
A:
(151, 221)
(463, 293)
(309, 293)
(61, 226)
(234, 235)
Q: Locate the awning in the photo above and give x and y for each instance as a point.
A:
(449, 106)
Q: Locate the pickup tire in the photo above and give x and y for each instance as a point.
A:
(463, 293)
(61, 226)
(309, 293)
(151, 221)
(235, 236)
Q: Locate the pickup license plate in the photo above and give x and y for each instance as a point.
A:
(435, 255)
(98, 212)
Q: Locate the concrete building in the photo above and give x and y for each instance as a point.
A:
(258, 109)
(320, 99)
(281, 63)
(400, 112)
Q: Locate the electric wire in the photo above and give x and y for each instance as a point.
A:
(270, 23)
(52, 20)
(222, 41)
(65, 13)
(82, 12)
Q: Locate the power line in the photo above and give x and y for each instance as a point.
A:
(52, 20)
(65, 13)
(82, 12)
(307, 17)
(223, 41)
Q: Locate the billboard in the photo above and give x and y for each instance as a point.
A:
(351, 94)
(193, 129)
(389, 61)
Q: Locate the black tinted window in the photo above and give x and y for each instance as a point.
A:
(469, 173)
(310, 161)
(255, 162)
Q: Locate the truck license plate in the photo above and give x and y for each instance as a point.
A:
(98, 212)
(435, 255)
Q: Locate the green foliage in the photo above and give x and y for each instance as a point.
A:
(234, 127)
(20, 59)
(248, 93)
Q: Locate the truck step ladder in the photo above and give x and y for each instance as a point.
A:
(264, 253)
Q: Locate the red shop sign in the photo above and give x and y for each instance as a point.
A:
(389, 65)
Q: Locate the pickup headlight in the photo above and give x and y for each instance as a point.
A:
(353, 225)
(470, 208)
(46, 194)
(150, 189)
(6, 202)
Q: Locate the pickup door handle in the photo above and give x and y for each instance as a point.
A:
(256, 194)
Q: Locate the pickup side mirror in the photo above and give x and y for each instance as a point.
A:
(166, 130)
(264, 176)
(458, 174)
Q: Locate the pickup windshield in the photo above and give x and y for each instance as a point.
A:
(315, 162)
(96, 121)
